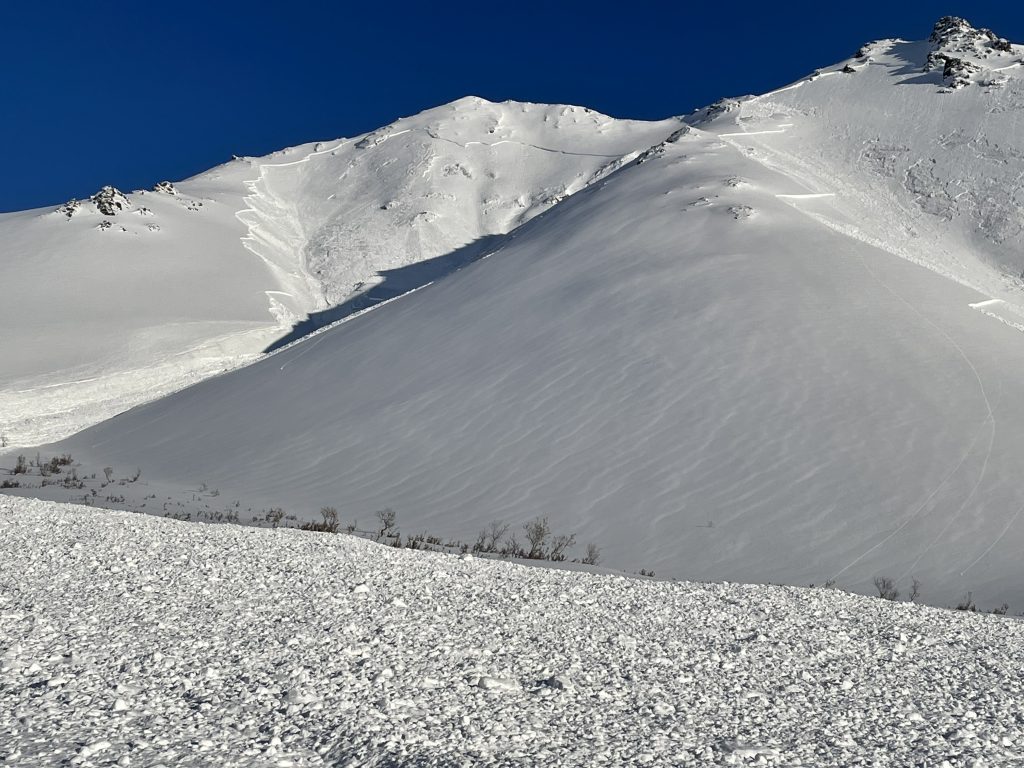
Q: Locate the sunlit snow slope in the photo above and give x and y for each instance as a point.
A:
(122, 298)
(713, 363)
(921, 143)
(677, 363)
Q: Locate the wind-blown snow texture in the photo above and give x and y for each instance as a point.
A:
(129, 638)
(710, 362)
(121, 298)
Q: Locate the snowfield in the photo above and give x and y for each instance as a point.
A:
(680, 363)
(130, 640)
(122, 298)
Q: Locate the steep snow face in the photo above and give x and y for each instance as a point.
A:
(433, 185)
(123, 297)
(680, 363)
(252, 648)
(922, 144)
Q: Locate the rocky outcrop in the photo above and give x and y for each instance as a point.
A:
(110, 201)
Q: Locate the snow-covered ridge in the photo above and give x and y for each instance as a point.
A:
(967, 55)
(130, 638)
(124, 297)
(921, 165)
(436, 184)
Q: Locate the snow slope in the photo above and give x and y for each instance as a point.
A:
(718, 362)
(127, 297)
(921, 142)
(676, 363)
(125, 639)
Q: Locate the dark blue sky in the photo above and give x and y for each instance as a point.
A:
(128, 93)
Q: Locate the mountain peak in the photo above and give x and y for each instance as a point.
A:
(957, 35)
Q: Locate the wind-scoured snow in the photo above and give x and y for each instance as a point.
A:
(130, 640)
(676, 364)
(121, 298)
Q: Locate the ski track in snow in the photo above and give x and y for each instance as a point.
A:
(132, 640)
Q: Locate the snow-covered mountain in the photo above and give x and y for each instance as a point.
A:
(783, 344)
(122, 297)
(920, 142)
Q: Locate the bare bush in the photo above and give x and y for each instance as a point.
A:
(915, 590)
(388, 523)
(275, 516)
(559, 544)
(108, 472)
(886, 588)
(593, 554)
(537, 531)
(330, 518)
(967, 604)
(21, 467)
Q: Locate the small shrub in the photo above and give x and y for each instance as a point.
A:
(274, 516)
(559, 544)
(1002, 610)
(967, 604)
(886, 588)
(915, 590)
(489, 539)
(388, 523)
(329, 524)
(593, 554)
(20, 467)
(330, 517)
(537, 533)
(108, 472)
(10, 484)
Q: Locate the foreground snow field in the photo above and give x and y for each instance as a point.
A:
(130, 640)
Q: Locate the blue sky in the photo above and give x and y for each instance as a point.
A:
(128, 93)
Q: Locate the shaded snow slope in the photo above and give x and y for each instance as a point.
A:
(121, 298)
(679, 363)
(921, 143)
(167, 643)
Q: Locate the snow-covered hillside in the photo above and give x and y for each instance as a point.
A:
(921, 143)
(723, 360)
(121, 298)
(130, 640)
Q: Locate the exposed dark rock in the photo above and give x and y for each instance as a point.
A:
(70, 208)
(110, 201)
